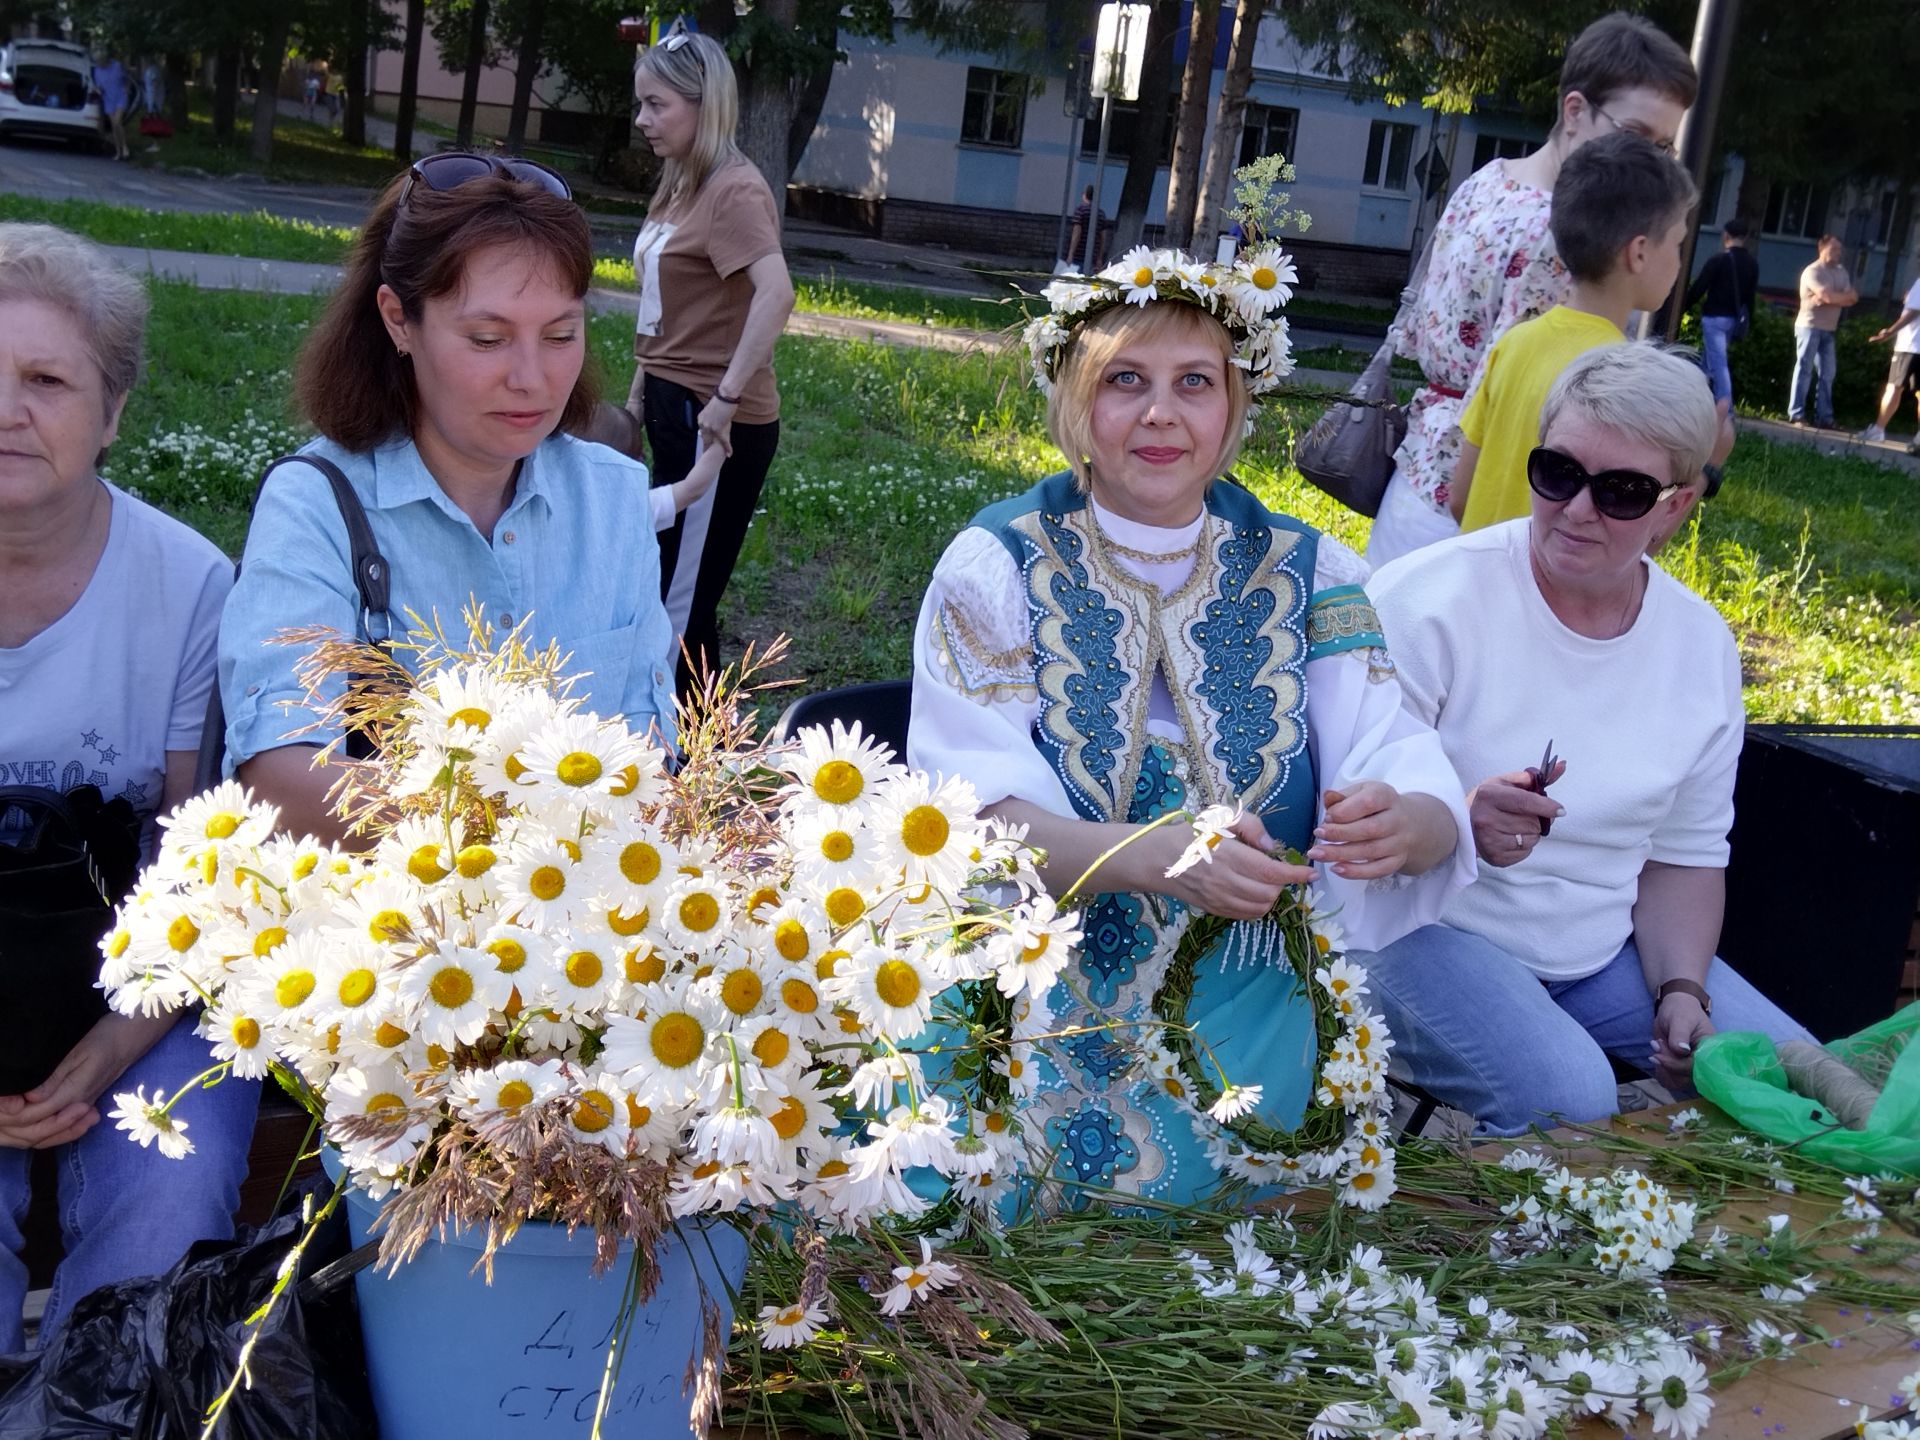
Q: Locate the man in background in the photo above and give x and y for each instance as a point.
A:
(1825, 290)
(1727, 283)
(1904, 373)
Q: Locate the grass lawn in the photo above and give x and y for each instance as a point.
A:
(302, 150)
(886, 452)
(258, 235)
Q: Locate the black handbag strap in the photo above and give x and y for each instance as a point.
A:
(371, 578)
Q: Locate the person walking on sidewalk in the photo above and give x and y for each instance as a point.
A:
(1727, 282)
(1904, 373)
(1825, 290)
(714, 296)
(110, 79)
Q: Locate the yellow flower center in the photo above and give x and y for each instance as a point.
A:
(770, 1047)
(916, 1278)
(268, 940)
(1033, 952)
(790, 940)
(791, 1315)
(583, 968)
(385, 1105)
(824, 967)
(424, 865)
(1263, 277)
(849, 1022)
(845, 905)
(995, 1121)
(118, 942)
(799, 996)
(706, 1168)
(577, 768)
(594, 1113)
(897, 983)
(548, 882)
(1143, 277)
(1016, 1067)
(1362, 1181)
(923, 830)
(677, 1039)
(182, 933)
(473, 861)
(1174, 1088)
(699, 912)
(471, 715)
(838, 783)
(788, 1119)
(293, 988)
(626, 780)
(245, 1032)
(622, 923)
(1322, 944)
(222, 825)
(639, 862)
(389, 1035)
(513, 1096)
(508, 954)
(437, 1058)
(833, 1169)
(451, 987)
(741, 991)
(644, 969)
(304, 865)
(356, 987)
(389, 925)
(637, 1114)
(837, 845)
(515, 767)
(1363, 1037)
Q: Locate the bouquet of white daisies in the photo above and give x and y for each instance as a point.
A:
(567, 981)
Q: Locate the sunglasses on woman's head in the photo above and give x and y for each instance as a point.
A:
(1617, 494)
(454, 168)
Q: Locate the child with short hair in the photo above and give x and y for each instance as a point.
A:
(1620, 214)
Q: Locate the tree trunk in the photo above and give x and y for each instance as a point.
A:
(525, 68)
(476, 62)
(812, 100)
(1143, 165)
(179, 74)
(1224, 148)
(226, 91)
(768, 101)
(409, 82)
(266, 99)
(353, 119)
(1190, 133)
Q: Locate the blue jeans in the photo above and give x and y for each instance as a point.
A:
(1715, 332)
(1812, 350)
(1477, 1028)
(125, 1209)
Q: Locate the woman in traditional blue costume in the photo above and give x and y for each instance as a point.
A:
(1138, 635)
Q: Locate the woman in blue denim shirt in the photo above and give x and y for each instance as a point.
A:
(441, 378)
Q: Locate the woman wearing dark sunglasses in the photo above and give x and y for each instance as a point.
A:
(1591, 928)
(714, 297)
(441, 378)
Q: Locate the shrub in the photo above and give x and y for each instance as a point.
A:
(1762, 364)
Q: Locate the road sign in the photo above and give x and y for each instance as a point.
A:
(1119, 50)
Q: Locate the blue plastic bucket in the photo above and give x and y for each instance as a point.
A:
(450, 1356)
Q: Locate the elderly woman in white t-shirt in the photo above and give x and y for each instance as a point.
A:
(108, 613)
(1591, 929)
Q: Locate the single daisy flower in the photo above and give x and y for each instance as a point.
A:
(784, 1326)
(838, 770)
(451, 993)
(890, 990)
(151, 1123)
(916, 1282)
(659, 1053)
(927, 831)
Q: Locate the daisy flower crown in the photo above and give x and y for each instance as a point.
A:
(1245, 297)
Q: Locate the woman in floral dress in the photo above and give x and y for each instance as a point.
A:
(1493, 262)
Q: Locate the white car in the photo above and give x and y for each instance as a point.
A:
(46, 88)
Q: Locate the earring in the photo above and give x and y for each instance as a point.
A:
(402, 353)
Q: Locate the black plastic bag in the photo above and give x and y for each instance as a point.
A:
(143, 1359)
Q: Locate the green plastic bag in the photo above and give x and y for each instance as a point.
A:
(1739, 1072)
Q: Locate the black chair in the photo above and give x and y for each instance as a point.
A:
(882, 707)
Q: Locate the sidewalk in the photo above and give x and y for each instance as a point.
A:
(232, 272)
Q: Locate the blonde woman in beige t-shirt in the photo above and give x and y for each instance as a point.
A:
(714, 297)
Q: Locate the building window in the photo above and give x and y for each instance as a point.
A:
(1389, 147)
(1270, 130)
(1125, 128)
(1798, 210)
(996, 108)
(1488, 148)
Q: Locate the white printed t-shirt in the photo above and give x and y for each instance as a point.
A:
(1650, 724)
(101, 695)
